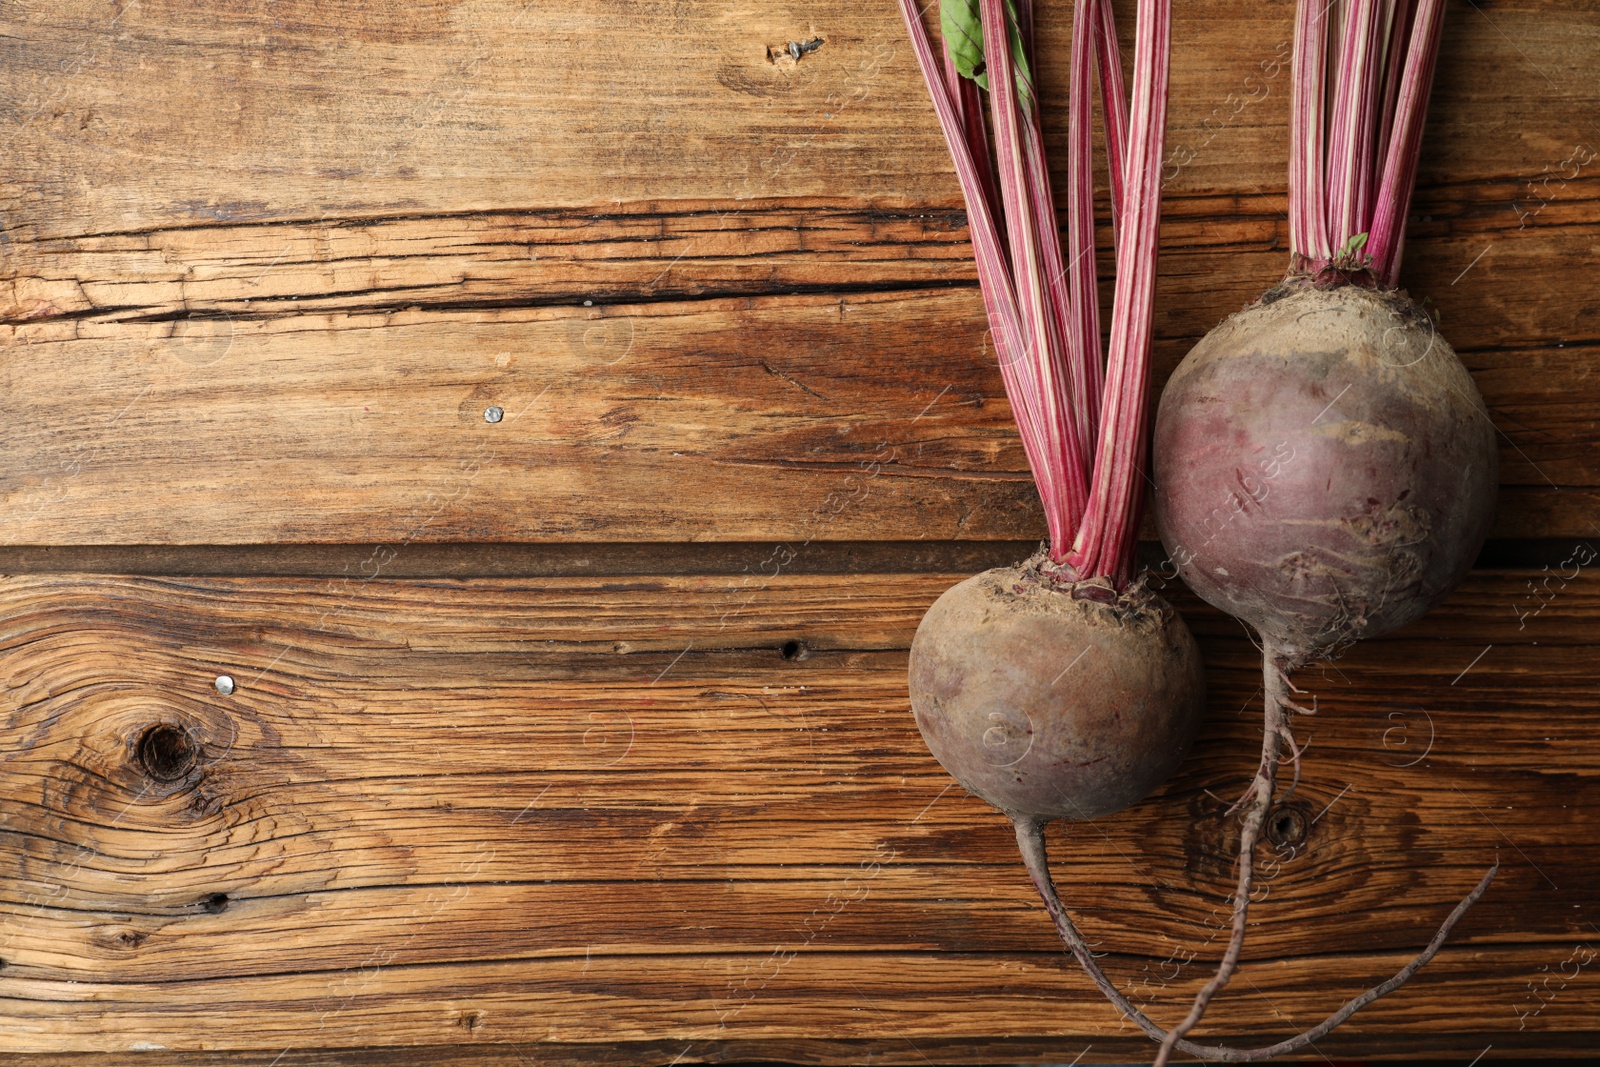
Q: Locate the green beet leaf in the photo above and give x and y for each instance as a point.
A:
(962, 27)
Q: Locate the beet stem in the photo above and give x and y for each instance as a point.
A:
(1399, 175)
(1082, 419)
(1362, 73)
(1351, 140)
(1082, 304)
(1004, 240)
(1114, 108)
(1104, 545)
(1308, 227)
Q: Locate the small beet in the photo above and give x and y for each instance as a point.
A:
(1050, 703)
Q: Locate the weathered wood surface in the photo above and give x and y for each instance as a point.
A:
(283, 319)
(165, 113)
(264, 265)
(695, 810)
(373, 429)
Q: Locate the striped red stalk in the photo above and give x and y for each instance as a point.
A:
(1399, 179)
(1082, 418)
(1113, 102)
(1308, 223)
(1351, 141)
(1106, 539)
(1356, 130)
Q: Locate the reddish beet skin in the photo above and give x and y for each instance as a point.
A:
(1051, 706)
(1325, 468)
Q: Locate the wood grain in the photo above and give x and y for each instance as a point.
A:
(773, 416)
(259, 109)
(578, 810)
(264, 268)
(897, 1050)
(713, 425)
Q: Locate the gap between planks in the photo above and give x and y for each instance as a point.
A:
(467, 560)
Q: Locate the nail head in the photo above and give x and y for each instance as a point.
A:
(224, 685)
(493, 414)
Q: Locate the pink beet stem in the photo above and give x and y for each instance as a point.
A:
(982, 211)
(1041, 399)
(1113, 102)
(1083, 288)
(1399, 179)
(1350, 140)
(1308, 227)
(1106, 538)
(1356, 127)
(1396, 36)
(1083, 421)
(1075, 366)
(969, 108)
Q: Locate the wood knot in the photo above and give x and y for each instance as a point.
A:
(166, 752)
(121, 939)
(1287, 826)
(204, 804)
(469, 1020)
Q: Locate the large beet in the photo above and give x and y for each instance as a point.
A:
(1048, 705)
(1325, 468)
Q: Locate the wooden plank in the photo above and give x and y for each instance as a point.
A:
(920, 997)
(894, 1050)
(575, 810)
(1219, 251)
(465, 106)
(635, 253)
(776, 414)
(740, 559)
(378, 423)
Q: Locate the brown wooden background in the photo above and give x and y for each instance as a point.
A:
(582, 736)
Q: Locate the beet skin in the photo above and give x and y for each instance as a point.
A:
(1050, 706)
(1325, 468)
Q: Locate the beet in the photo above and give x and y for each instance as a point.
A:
(1325, 471)
(1050, 703)
(1325, 468)
(1063, 687)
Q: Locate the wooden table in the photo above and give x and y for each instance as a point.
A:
(552, 421)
